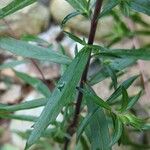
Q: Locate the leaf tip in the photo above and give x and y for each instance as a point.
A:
(26, 147)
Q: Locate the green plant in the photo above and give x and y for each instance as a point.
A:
(115, 113)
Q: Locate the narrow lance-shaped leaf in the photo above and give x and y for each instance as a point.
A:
(85, 123)
(35, 39)
(14, 6)
(126, 84)
(90, 94)
(98, 128)
(125, 100)
(62, 95)
(69, 16)
(130, 119)
(108, 7)
(143, 54)
(79, 5)
(84, 142)
(140, 6)
(133, 100)
(19, 117)
(49, 133)
(36, 83)
(11, 64)
(124, 6)
(116, 64)
(118, 129)
(75, 38)
(25, 105)
(146, 126)
(25, 49)
(113, 76)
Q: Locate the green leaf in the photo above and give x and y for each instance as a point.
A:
(124, 6)
(14, 6)
(19, 117)
(36, 39)
(133, 100)
(79, 5)
(132, 53)
(146, 126)
(75, 38)
(69, 16)
(130, 119)
(34, 82)
(25, 49)
(98, 128)
(117, 65)
(11, 64)
(22, 106)
(118, 126)
(137, 18)
(126, 84)
(113, 76)
(85, 123)
(140, 6)
(108, 7)
(125, 100)
(84, 143)
(90, 94)
(62, 95)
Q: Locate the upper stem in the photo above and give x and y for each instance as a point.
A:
(94, 22)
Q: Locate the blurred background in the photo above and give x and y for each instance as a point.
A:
(40, 24)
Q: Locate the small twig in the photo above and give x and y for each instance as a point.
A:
(39, 70)
(73, 125)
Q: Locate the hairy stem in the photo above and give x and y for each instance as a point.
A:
(94, 22)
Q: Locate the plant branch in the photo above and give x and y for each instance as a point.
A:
(94, 22)
(39, 70)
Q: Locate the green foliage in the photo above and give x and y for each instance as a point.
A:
(75, 38)
(140, 6)
(68, 17)
(19, 117)
(108, 7)
(11, 64)
(22, 106)
(126, 84)
(89, 94)
(31, 51)
(14, 6)
(100, 115)
(125, 100)
(85, 123)
(117, 64)
(134, 54)
(81, 6)
(118, 128)
(63, 94)
(98, 133)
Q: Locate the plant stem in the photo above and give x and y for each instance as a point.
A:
(94, 22)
